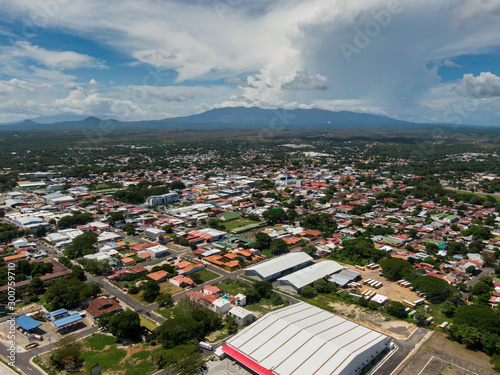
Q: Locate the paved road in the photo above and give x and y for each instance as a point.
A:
(404, 348)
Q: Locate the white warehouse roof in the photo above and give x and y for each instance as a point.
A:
(304, 339)
(310, 274)
(280, 264)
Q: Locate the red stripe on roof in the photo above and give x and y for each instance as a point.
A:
(248, 362)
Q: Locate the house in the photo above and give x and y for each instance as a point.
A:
(210, 289)
(182, 281)
(242, 315)
(221, 306)
(158, 276)
(127, 261)
(101, 305)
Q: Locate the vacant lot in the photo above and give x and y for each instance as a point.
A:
(170, 288)
(206, 275)
(389, 289)
(440, 343)
(238, 223)
(440, 355)
(114, 358)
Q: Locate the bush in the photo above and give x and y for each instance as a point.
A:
(307, 292)
(395, 308)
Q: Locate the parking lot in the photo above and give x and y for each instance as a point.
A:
(389, 289)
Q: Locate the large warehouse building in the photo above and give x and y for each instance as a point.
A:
(307, 276)
(302, 339)
(278, 266)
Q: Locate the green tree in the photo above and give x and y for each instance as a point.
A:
(81, 245)
(125, 324)
(41, 231)
(129, 229)
(115, 217)
(65, 347)
(310, 250)
(67, 293)
(232, 326)
(165, 300)
(307, 291)
(104, 319)
(397, 269)
(263, 288)
(278, 246)
(396, 309)
(262, 240)
(35, 286)
(434, 288)
(151, 290)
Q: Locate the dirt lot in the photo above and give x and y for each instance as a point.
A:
(374, 320)
(441, 344)
(389, 289)
(440, 355)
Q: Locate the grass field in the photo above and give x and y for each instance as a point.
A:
(238, 223)
(233, 287)
(166, 287)
(207, 275)
(113, 358)
(482, 195)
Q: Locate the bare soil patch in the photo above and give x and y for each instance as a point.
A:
(374, 320)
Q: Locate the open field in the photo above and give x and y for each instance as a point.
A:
(440, 355)
(206, 275)
(238, 223)
(114, 358)
(167, 287)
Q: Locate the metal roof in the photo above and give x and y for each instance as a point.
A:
(302, 339)
(280, 264)
(343, 277)
(27, 322)
(67, 320)
(312, 273)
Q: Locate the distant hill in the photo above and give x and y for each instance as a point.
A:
(228, 118)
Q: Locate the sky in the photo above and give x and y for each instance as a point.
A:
(432, 61)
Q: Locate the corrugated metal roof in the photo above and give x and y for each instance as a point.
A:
(280, 264)
(302, 339)
(310, 274)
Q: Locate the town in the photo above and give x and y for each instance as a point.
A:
(337, 257)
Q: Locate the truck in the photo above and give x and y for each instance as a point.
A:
(206, 345)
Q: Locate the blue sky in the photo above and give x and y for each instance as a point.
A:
(425, 61)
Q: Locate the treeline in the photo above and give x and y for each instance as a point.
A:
(137, 194)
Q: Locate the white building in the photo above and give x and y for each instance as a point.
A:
(158, 200)
(307, 276)
(278, 266)
(221, 306)
(304, 339)
(154, 233)
(242, 315)
(157, 251)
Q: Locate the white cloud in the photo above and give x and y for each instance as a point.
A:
(270, 46)
(451, 64)
(304, 81)
(486, 85)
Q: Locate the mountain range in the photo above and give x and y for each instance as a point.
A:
(225, 118)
